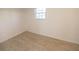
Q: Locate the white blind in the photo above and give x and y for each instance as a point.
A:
(40, 13)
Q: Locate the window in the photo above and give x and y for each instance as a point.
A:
(40, 13)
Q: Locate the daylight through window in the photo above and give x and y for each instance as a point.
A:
(40, 13)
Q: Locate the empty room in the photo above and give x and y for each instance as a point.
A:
(39, 29)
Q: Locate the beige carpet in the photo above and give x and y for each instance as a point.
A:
(28, 41)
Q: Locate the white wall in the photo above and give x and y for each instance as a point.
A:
(12, 23)
(60, 23)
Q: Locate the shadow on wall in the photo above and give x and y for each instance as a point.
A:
(77, 24)
(32, 23)
(11, 23)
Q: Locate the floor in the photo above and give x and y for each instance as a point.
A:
(28, 41)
